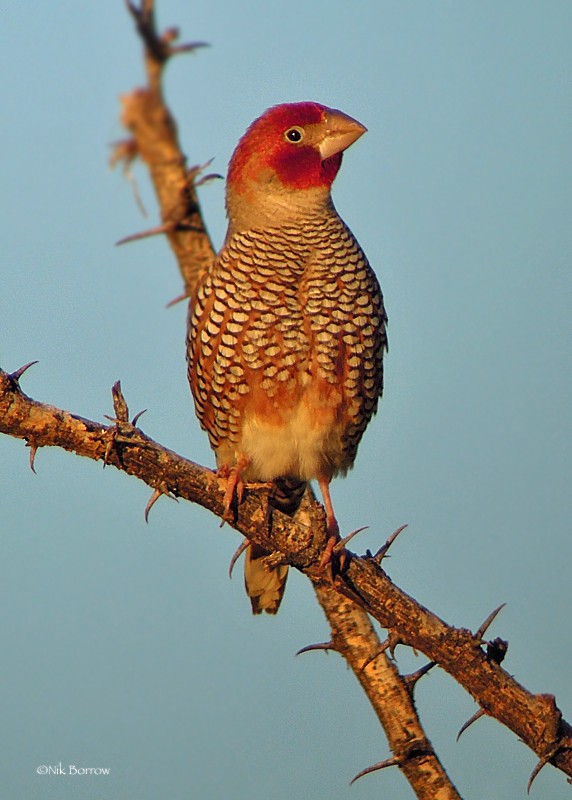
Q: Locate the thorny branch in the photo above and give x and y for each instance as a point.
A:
(193, 250)
(361, 587)
(154, 139)
(390, 694)
(535, 719)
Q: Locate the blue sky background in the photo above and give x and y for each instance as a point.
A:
(124, 644)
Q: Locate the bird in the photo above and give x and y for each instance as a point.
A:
(287, 328)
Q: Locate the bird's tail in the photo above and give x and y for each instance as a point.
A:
(287, 495)
(265, 585)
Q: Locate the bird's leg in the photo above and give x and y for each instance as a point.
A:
(331, 522)
(234, 483)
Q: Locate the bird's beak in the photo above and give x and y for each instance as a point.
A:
(340, 132)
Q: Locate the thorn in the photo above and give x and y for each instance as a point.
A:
(137, 416)
(123, 150)
(129, 176)
(542, 763)
(372, 658)
(160, 492)
(411, 680)
(394, 761)
(196, 177)
(176, 300)
(320, 646)
(211, 176)
(190, 47)
(196, 170)
(243, 546)
(166, 227)
(170, 35)
(343, 542)
(159, 48)
(154, 497)
(382, 552)
(487, 623)
(33, 451)
(19, 372)
(133, 9)
(392, 641)
(546, 759)
(477, 715)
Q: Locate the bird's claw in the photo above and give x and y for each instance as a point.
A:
(335, 546)
(234, 485)
(325, 560)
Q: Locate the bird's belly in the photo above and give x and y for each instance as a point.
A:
(304, 440)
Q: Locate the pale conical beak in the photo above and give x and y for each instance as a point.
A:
(341, 131)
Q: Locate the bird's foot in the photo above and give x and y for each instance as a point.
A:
(332, 541)
(336, 546)
(234, 485)
(332, 528)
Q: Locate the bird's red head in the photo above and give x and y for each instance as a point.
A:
(294, 145)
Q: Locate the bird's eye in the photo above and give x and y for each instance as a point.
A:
(294, 135)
